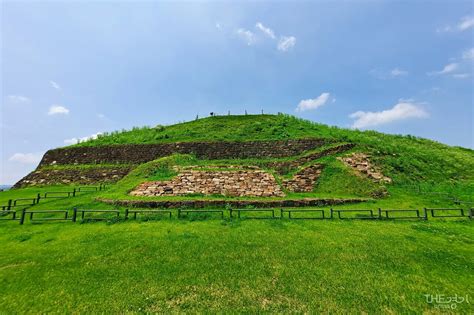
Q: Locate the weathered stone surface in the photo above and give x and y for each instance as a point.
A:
(83, 176)
(361, 164)
(251, 183)
(304, 180)
(141, 153)
(221, 203)
(285, 166)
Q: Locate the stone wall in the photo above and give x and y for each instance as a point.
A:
(141, 153)
(361, 164)
(222, 203)
(304, 180)
(85, 176)
(286, 166)
(239, 183)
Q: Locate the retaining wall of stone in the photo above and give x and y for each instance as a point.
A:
(85, 176)
(221, 203)
(239, 183)
(141, 153)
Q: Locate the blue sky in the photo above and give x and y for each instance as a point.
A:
(70, 70)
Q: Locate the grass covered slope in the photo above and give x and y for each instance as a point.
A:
(406, 159)
(403, 157)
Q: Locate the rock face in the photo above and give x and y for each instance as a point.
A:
(85, 176)
(141, 153)
(304, 180)
(285, 166)
(360, 162)
(239, 183)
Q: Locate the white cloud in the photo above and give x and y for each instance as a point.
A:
(54, 85)
(218, 26)
(18, 99)
(311, 104)
(461, 75)
(468, 54)
(77, 140)
(58, 109)
(405, 109)
(101, 116)
(447, 69)
(286, 43)
(466, 23)
(246, 36)
(26, 158)
(265, 30)
(384, 74)
(398, 72)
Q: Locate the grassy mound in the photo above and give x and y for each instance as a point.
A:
(403, 158)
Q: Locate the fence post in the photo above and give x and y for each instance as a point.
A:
(426, 214)
(38, 197)
(471, 213)
(126, 214)
(230, 212)
(74, 192)
(9, 207)
(22, 217)
(380, 213)
(74, 214)
(332, 214)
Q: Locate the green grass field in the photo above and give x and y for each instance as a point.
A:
(246, 266)
(203, 263)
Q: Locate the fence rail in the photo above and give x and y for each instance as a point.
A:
(356, 211)
(459, 212)
(360, 214)
(136, 212)
(306, 211)
(22, 202)
(181, 211)
(416, 212)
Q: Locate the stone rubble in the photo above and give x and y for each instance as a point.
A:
(238, 183)
(361, 164)
(304, 180)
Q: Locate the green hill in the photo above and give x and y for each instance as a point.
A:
(205, 263)
(404, 157)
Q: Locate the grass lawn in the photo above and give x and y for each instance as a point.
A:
(221, 265)
(241, 265)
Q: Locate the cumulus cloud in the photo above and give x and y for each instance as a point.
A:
(58, 109)
(449, 68)
(384, 74)
(398, 72)
(18, 99)
(246, 35)
(77, 140)
(26, 158)
(54, 85)
(461, 75)
(286, 43)
(405, 109)
(265, 30)
(468, 54)
(314, 103)
(464, 24)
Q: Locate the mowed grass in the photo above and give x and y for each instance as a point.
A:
(245, 266)
(210, 265)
